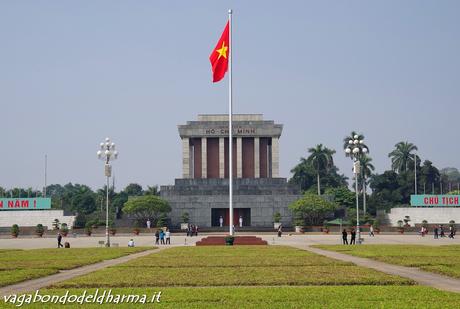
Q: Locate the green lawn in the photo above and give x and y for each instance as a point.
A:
(277, 297)
(236, 266)
(439, 259)
(20, 265)
(250, 277)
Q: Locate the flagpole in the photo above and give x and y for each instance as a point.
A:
(230, 128)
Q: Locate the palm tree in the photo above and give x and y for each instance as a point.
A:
(366, 170)
(346, 142)
(402, 156)
(152, 190)
(321, 160)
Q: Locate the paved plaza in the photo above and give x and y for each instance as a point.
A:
(181, 240)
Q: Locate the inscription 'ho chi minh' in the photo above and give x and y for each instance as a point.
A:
(224, 131)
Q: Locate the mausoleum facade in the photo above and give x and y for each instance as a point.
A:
(259, 192)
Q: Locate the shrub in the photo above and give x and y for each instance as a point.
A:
(39, 229)
(161, 221)
(56, 224)
(406, 220)
(185, 217)
(64, 229)
(15, 230)
(88, 228)
(277, 217)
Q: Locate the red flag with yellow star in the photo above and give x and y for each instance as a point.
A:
(219, 56)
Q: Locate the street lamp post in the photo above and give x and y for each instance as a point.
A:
(107, 153)
(356, 149)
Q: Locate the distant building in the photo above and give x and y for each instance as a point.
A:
(258, 190)
(28, 212)
(435, 209)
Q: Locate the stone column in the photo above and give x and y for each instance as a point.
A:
(275, 157)
(256, 157)
(204, 158)
(239, 157)
(221, 157)
(185, 158)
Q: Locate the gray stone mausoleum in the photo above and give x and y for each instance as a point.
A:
(258, 191)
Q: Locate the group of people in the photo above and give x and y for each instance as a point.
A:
(439, 231)
(163, 237)
(345, 237)
(192, 230)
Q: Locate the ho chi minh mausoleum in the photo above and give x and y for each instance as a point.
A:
(258, 191)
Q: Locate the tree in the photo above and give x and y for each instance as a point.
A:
(342, 196)
(402, 156)
(429, 175)
(321, 160)
(366, 171)
(304, 175)
(134, 189)
(450, 177)
(146, 207)
(312, 209)
(152, 190)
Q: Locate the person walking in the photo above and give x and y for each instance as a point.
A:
(371, 231)
(157, 237)
(451, 232)
(353, 237)
(59, 239)
(221, 221)
(162, 237)
(240, 220)
(344, 237)
(168, 236)
(441, 231)
(196, 230)
(435, 232)
(280, 230)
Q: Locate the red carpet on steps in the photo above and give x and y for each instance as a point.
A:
(239, 240)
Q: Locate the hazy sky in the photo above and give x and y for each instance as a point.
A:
(74, 72)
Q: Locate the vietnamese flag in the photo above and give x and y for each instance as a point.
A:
(219, 56)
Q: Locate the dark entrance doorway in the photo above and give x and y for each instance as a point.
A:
(245, 213)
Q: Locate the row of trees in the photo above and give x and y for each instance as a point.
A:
(317, 174)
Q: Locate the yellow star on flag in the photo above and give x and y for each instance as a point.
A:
(222, 51)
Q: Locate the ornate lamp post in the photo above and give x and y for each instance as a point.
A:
(107, 153)
(356, 149)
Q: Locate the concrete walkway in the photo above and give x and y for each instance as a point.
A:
(35, 284)
(422, 277)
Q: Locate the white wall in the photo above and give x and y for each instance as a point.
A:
(34, 217)
(440, 215)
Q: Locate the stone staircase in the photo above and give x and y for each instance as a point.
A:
(239, 241)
